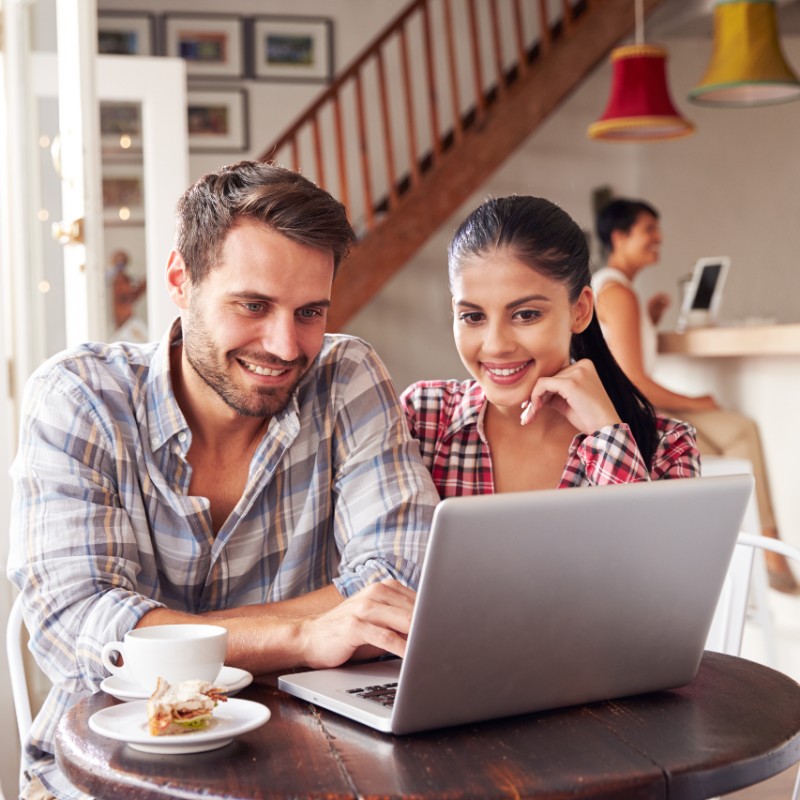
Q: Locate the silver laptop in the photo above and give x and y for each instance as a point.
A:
(537, 600)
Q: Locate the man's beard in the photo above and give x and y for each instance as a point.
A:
(263, 401)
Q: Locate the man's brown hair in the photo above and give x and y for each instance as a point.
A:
(278, 198)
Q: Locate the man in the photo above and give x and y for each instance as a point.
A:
(248, 470)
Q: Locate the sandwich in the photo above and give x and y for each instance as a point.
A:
(182, 708)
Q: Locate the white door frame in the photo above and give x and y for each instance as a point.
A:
(159, 84)
(81, 197)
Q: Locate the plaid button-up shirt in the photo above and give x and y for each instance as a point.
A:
(447, 419)
(104, 528)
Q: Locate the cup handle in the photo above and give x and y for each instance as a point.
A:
(105, 656)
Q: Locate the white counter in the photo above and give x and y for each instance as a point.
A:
(755, 370)
(771, 340)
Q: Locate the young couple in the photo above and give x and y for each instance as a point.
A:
(254, 472)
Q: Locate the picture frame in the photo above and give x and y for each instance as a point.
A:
(217, 120)
(123, 194)
(121, 128)
(210, 44)
(293, 49)
(126, 34)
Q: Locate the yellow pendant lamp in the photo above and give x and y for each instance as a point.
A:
(747, 65)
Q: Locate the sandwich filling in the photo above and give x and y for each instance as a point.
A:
(182, 708)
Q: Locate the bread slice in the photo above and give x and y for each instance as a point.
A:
(183, 708)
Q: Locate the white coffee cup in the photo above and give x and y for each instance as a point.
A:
(174, 652)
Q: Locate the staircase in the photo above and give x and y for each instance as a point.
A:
(431, 108)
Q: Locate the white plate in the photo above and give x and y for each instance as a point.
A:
(128, 723)
(230, 679)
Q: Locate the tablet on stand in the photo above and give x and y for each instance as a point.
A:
(703, 294)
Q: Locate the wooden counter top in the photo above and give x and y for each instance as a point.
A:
(740, 340)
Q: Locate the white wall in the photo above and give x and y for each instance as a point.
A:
(730, 189)
(273, 105)
(765, 388)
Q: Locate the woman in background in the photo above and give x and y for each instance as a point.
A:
(631, 235)
(547, 405)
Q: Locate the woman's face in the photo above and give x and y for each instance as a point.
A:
(641, 245)
(513, 325)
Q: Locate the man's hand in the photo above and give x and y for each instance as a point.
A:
(374, 621)
(319, 630)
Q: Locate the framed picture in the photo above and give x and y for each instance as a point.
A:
(121, 128)
(292, 48)
(124, 34)
(123, 194)
(217, 119)
(211, 44)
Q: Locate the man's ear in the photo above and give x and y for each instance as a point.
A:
(178, 282)
(582, 310)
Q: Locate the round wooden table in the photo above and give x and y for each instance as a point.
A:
(736, 724)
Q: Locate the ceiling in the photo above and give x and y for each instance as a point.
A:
(695, 18)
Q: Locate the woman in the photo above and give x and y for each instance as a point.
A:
(631, 235)
(547, 406)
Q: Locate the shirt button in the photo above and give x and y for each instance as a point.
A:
(181, 437)
(155, 441)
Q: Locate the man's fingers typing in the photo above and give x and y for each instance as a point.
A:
(379, 616)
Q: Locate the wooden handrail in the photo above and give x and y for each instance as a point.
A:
(452, 72)
(432, 72)
(497, 47)
(477, 66)
(408, 97)
(344, 77)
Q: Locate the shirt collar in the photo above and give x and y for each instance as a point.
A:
(164, 416)
(469, 411)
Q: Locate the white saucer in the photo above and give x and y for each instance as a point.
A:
(230, 679)
(128, 723)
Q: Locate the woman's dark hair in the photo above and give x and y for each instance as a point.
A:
(619, 215)
(543, 236)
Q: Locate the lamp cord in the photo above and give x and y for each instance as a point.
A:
(639, 22)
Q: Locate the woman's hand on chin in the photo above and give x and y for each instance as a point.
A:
(577, 393)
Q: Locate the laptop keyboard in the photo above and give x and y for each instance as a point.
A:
(383, 693)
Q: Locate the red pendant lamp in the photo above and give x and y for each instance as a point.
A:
(639, 105)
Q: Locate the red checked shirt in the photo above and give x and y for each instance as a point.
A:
(447, 419)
